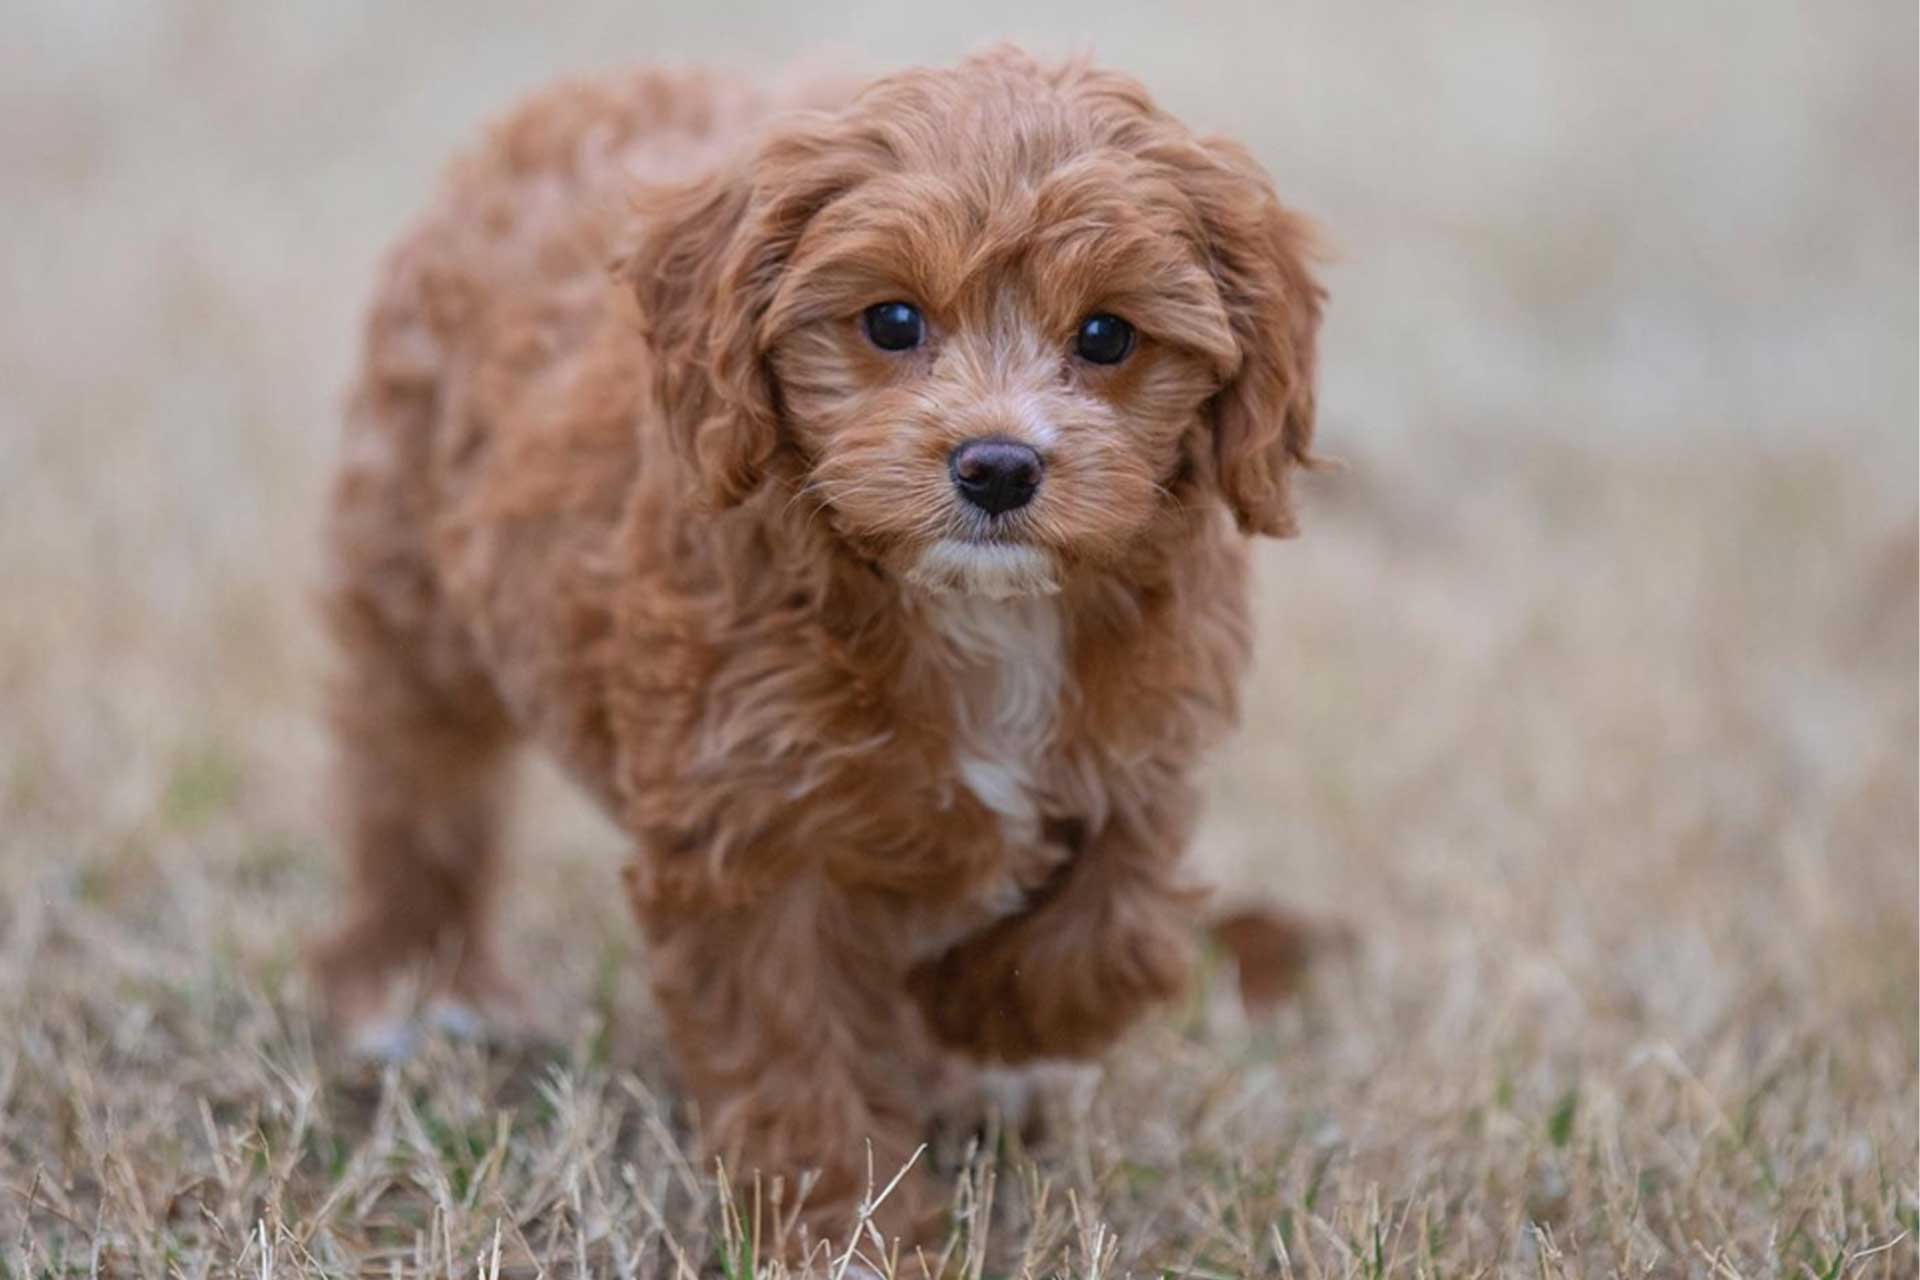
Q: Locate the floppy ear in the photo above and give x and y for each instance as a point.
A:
(704, 273)
(1263, 417)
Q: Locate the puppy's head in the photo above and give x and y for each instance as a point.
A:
(995, 322)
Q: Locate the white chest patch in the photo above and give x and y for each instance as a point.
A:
(1006, 662)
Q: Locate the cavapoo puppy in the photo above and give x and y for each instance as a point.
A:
(852, 492)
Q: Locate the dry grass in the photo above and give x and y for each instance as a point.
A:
(1589, 698)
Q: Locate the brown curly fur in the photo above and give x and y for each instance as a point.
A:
(897, 802)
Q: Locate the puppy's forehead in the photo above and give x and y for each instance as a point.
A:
(964, 187)
(1003, 113)
(949, 225)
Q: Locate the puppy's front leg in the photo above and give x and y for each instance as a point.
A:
(792, 1028)
(1063, 978)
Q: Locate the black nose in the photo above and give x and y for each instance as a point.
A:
(995, 475)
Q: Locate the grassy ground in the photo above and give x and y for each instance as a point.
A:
(1588, 699)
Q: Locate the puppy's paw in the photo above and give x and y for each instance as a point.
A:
(386, 1040)
(969, 998)
(394, 1034)
(1045, 989)
(383, 1007)
(365, 998)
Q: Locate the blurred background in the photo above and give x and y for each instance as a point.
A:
(1587, 696)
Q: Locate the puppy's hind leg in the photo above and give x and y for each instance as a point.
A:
(421, 791)
(422, 747)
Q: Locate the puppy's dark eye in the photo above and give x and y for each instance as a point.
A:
(1103, 339)
(894, 326)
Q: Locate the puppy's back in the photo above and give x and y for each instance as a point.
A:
(497, 419)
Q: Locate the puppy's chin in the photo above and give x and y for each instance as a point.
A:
(998, 571)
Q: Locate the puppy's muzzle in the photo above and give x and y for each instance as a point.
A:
(995, 475)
